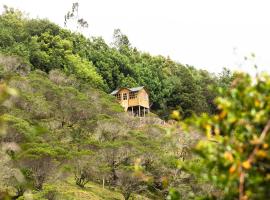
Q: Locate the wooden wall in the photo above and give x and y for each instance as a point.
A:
(124, 103)
(142, 99)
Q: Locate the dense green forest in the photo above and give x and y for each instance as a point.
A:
(62, 136)
(46, 46)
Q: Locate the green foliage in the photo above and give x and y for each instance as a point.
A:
(235, 154)
(47, 47)
(37, 150)
(84, 70)
(19, 126)
(173, 195)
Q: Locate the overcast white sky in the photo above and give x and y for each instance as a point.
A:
(208, 34)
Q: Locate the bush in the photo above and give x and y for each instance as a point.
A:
(235, 154)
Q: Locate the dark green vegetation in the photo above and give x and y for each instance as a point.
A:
(46, 46)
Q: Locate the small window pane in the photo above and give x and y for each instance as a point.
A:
(118, 96)
(133, 95)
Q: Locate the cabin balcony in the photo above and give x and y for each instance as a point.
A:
(138, 111)
(138, 102)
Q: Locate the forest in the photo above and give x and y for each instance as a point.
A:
(62, 136)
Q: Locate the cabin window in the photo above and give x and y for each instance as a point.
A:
(125, 96)
(133, 95)
(118, 96)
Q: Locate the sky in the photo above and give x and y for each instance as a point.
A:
(207, 34)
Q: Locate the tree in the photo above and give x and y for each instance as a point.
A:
(40, 162)
(84, 71)
(235, 154)
(83, 172)
(73, 15)
(129, 183)
(120, 41)
(46, 46)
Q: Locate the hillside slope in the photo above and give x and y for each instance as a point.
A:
(60, 128)
(67, 190)
(63, 134)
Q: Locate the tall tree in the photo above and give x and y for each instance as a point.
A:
(74, 17)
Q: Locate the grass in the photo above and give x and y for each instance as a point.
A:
(68, 190)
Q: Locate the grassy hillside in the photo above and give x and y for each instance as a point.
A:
(69, 191)
(63, 133)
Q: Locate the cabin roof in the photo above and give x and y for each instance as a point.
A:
(134, 89)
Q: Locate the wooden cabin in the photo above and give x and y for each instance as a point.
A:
(134, 100)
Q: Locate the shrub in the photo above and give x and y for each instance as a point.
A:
(235, 154)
